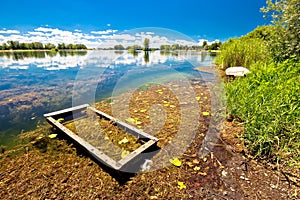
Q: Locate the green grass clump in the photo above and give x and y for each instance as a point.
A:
(267, 101)
(242, 52)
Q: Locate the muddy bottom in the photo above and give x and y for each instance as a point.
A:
(44, 168)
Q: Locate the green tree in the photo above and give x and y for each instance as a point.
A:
(204, 45)
(119, 47)
(146, 44)
(285, 14)
(165, 47)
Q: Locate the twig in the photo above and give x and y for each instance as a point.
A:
(290, 180)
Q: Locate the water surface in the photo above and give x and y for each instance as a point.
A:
(34, 83)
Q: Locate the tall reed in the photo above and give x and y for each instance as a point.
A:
(242, 52)
(268, 102)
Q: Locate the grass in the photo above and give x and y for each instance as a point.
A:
(267, 101)
(242, 52)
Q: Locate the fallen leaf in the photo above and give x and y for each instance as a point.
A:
(181, 185)
(197, 168)
(130, 120)
(124, 153)
(205, 113)
(204, 159)
(143, 110)
(123, 141)
(176, 162)
(52, 136)
(138, 123)
(59, 120)
(198, 98)
(190, 164)
(202, 173)
(172, 106)
(195, 161)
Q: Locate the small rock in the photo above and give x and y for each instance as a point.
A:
(224, 173)
(244, 178)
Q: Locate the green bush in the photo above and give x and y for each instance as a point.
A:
(267, 101)
(242, 52)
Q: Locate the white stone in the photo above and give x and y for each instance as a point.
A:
(236, 71)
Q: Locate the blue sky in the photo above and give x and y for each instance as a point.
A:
(209, 20)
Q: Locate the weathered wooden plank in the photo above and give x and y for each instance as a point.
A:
(136, 152)
(81, 107)
(93, 151)
(100, 156)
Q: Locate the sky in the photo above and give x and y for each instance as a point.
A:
(93, 21)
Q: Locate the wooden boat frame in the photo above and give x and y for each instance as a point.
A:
(77, 112)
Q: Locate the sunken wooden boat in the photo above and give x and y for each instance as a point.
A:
(131, 161)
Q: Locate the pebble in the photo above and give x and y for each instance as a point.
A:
(224, 173)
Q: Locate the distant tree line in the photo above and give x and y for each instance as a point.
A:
(213, 46)
(166, 47)
(16, 45)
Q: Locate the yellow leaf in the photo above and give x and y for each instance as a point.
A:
(106, 138)
(166, 105)
(165, 101)
(190, 164)
(172, 106)
(52, 136)
(181, 185)
(204, 159)
(198, 98)
(124, 153)
(195, 161)
(176, 162)
(123, 141)
(138, 122)
(202, 173)
(205, 113)
(160, 92)
(143, 110)
(59, 120)
(196, 168)
(130, 120)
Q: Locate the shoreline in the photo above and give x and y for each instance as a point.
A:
(42, 50)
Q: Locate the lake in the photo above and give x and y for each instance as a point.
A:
(34, 83)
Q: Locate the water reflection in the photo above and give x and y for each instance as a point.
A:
(21, 55)
(33, 83)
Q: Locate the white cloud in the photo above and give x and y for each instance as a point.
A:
(200, 41)
(94, 39)
(9, 32)
(109, 31)
(43, 29)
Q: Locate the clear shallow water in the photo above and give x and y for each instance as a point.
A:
(34, 83)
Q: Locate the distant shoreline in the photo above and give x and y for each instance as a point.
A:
(43, 50)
